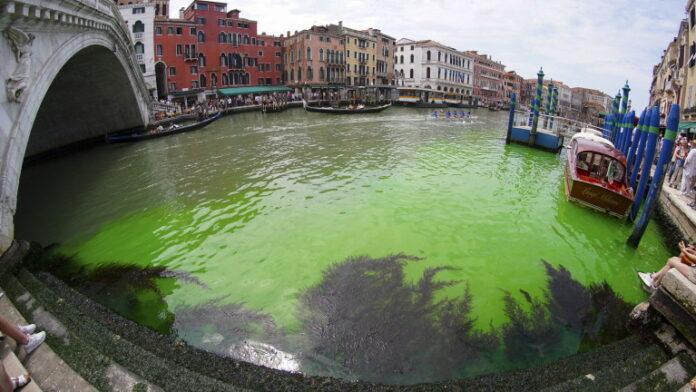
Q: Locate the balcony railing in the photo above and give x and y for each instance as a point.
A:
(137, 36)
(139, 58)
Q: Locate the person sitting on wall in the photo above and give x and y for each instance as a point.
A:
(684, 264)
(24, 335)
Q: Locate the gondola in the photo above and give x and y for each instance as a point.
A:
(331, 110)
(152, 134)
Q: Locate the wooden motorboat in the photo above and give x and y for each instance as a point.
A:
(153, 133)
(595, 175)
(358, 110)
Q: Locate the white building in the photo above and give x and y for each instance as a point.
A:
(140, 19)
(431, 65)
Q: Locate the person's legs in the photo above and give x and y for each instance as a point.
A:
(13, 331)
(672, 262)
(5, 382)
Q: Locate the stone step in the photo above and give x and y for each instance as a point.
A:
(45, 367)
(119, 358)
(614, 376)
(668, 377)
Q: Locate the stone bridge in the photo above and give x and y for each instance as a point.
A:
(69, 73)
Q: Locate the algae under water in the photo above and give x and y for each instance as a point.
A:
(388, 247)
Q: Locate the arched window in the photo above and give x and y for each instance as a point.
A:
(321, 74)
(139, 48)
(201, 36)
(299, 74)
(236, 78)
(203, 81)
(246, 78)
(285, 75)
(225, 80)
(439, 55)
(246, 40)
(427, 72)
(292, 75)
(201, 60)
(411, 59)
(213, 80)
(402, 59)
(222, 38)
(234, 39)
(410, 74)
(309, 53)
(427, 55)
(310, 75)
(321, 54)
(138, 27)
(223, 60)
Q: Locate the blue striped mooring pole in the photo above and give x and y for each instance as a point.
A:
(616, 116)
(649, 155)
(631, 157)
(536, 107)
(511, 119)
(628, 132)
(658, 177)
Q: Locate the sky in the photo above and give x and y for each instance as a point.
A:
(584, 43)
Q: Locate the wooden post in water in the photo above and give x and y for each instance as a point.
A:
(634, 146)
(511, 119)
(640, 151)
(649, 156)
(658, 178)
(536, 107)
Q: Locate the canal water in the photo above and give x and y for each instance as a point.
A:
(389, 247)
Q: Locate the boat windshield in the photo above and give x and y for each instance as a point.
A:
(600, 168)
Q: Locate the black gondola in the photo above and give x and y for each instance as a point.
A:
(151, 134)
(331, 110)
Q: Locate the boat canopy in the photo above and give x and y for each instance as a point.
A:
(253, 90)
(588, 145)
(589, 134)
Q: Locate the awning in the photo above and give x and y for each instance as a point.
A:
(253, 90)
(687, 125)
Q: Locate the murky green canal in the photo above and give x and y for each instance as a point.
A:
(387, 247)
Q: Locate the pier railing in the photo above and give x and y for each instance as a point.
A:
(559, 126)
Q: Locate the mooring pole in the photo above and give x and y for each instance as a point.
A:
(641, 148)
(511, 119)
(630, 117)
(608, 123)
(537, 106)
(649, 156)
(615, 117)
(549, 98)
(634, 145)
(658, 178)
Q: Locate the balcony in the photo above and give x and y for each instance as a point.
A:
(137, 36)
(139, 58)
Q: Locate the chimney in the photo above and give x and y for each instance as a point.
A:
(181, 12)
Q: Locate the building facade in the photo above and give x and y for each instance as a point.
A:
(314, 60)
(140, 19)
(209, 47)
(590, 103)
(431, 65)
(488, 87)
(512, 82)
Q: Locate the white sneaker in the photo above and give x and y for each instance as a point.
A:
(35, 341)
(27, 329)
(647, 281)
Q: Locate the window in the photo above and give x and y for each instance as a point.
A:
(192, 31)
(310, 74)
(200, 21)
(172, 86)
(201, 60)
(223, 60)
(139, 48)
(142, 67)
(427, 72)
(411, 59)
(222, 38)
(158, 30)
(194, 84)
(179, 50)
(179, 31)
(692, 17)
(427, 56)
(194, 70)
(202, 6)
(138, 27)
(139, 10)
(201, 36)
(159, 50)
(170, 30)
(410, 73)
(402, 59)
(172, 71)
(321, 73)
(309, 54)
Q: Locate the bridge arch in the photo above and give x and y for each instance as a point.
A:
(86, 86)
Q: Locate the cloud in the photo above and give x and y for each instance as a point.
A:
(590, 43)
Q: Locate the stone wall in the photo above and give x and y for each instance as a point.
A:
(677, 217)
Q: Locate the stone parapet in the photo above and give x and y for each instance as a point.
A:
(676, 301)
(681, 216)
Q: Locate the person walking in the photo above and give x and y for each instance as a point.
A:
(689, 175)
(680, 154)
